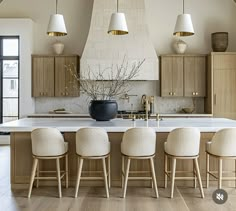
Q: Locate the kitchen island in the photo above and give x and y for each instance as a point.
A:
(21, 157)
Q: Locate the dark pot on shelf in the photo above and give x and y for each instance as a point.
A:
(219, 41)
(103, 110)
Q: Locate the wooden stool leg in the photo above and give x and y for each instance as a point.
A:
(122, 170)
(126, 177)
(105, 176)
(173, 177)
(58, 176)
(37, 181)
(207, 169)
(165, 170)
(66, 169)
(195, 178)
(154, 176)
(80, 166)
(109, 171)
(220, 173)
(199, 177)
(35, 162)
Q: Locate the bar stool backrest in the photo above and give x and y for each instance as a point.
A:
(183, 142)
(92, 142)
(139, 142)
(223, 142)
(47, 142)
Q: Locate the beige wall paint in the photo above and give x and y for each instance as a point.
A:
(208, 16)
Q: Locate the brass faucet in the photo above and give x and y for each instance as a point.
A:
(147, 104)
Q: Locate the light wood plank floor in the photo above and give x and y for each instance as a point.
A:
(93, 199)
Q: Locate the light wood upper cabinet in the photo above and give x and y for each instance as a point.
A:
(171, 76)
(50, 77)
(42, 76)
(195, 76)
(183, 75)
(65, 81)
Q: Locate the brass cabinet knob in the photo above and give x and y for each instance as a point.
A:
(173, 93)
(196, 93)
(170, 93)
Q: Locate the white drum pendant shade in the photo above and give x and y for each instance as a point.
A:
(184, 26)
(56, 26)
(118, 25)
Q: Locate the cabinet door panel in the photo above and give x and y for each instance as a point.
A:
(48, 77)
(60, 77)
(166, 76)
(37, 80)
(65, 82)
(189, 76)
(72, 85)
(42, 76)
(200, 76)
(177, 76)
(224, 100)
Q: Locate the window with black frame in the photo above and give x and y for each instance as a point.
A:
(9, 89)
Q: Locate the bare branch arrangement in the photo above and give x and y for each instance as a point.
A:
(108, 83)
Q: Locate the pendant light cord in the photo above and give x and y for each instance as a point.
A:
(183, 6)
(117, 5)
(56, 6)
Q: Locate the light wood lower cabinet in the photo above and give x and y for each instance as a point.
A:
(50, 77)
(42, 76)
(21, 162)
(221, 101)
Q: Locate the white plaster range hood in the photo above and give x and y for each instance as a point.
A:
(102, 49)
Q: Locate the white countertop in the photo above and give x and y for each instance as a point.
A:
(117, 125)
(87, 115)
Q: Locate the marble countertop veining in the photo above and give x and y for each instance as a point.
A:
(117, 125)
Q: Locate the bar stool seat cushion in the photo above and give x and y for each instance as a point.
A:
(223, 143)
(139, 142)
(48, 142)
(183, 142)
(92, 142)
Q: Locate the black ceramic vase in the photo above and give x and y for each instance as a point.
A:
(103, 110)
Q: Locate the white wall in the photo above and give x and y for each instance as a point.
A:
(24, 29)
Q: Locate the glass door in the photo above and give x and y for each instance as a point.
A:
(9, 63)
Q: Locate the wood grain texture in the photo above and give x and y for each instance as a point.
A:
(224, 85)
(42, 76)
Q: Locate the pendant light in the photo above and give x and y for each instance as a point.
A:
(118, 25)
(56, 25)
(184, 26)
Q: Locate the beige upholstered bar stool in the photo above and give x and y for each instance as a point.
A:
(182, 143)
(138, 143)
(221, 147)
(93, 143)
(48, 143)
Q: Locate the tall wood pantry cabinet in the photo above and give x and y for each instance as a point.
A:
(51, 78)
(221, 99)
(183, 75)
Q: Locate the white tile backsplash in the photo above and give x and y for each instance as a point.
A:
(151, 88)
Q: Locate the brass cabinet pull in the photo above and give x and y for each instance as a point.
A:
(173, 93)
(170, 93)
(193, 93)
(196, 93)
